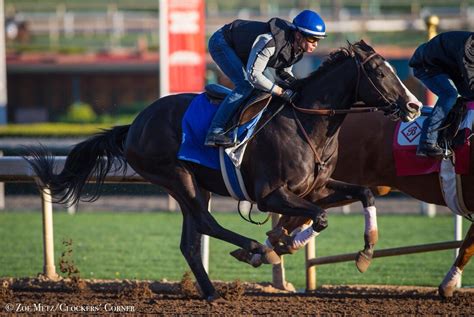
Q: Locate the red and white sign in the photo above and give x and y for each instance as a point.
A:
(182, 43)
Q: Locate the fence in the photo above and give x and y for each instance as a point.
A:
(312, 261)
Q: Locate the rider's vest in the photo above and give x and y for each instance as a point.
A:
(444, 54)
(241, 35)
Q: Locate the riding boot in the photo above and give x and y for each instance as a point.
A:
(217, 137)
(217, 134)
(426, 149)
(428, 144)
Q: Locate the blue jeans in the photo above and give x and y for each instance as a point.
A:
(447, 95)
(232, 67)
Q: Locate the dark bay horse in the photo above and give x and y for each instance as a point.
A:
(375, 168)
(293, 155)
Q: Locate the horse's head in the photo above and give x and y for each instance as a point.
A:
(378, 85)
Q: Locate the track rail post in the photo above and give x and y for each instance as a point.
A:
(49, 269)
(310, 253)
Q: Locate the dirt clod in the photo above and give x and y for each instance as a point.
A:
(231, 291)
(187, 286)
(136, 290)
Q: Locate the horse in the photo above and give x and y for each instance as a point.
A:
(292, 155)
(374, 168)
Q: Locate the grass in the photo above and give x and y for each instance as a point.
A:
(146, 246)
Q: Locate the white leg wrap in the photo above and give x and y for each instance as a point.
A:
(302, 238)
(451, 279)
(370, 214)
(300, 228)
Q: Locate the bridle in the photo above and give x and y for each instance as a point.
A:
(389, 109)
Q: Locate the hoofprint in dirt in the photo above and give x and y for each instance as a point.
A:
(121, 296)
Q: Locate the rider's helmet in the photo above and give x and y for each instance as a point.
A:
(309, 23)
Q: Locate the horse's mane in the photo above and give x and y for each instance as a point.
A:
(335, 57)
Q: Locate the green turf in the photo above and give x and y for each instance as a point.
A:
(146, 246)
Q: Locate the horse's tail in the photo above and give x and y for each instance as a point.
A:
(90, 159)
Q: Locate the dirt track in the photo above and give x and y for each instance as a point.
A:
(104, 297)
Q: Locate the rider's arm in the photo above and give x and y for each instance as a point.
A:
(262, 50)
(286, 74)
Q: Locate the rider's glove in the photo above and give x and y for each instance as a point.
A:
(289, 95)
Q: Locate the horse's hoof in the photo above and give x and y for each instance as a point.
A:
(445, 292)
(363, 261)
(215, 299)
(242, 255)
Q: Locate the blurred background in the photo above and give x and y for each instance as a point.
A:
(98, 60)
(75, 66)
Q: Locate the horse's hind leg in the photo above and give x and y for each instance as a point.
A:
(191, 249)
(181, 184)
(190, 198)
(447, 287)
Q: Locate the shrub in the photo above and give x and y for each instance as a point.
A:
(80, 112)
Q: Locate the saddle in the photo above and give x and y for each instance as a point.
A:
(251, 106)
(448, 135)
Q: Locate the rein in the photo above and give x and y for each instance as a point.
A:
(333, 112)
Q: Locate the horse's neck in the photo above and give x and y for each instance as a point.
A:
(332, 90)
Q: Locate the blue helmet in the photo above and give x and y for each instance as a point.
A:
(310, 24)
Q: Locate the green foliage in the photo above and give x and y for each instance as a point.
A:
(80, 112)
(50, 129)
(105, 246)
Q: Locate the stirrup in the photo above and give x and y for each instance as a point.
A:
(447, 152)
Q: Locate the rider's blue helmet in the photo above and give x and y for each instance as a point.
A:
(309, 23)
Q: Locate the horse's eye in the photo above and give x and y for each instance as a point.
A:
(380, 74)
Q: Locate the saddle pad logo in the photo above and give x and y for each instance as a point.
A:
(411, 131)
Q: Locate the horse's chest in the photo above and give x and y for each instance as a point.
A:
(312, 180)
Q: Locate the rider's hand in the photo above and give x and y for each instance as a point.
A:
(289, 95)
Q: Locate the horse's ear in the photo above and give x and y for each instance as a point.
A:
(362, 48)
(350, 48)
(366, 46)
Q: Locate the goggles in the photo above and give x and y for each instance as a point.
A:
(312, 39)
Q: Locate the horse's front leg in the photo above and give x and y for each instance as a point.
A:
(343, 193)
(289, 226)
(447, 287)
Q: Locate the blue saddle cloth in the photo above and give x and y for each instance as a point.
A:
(195, 123)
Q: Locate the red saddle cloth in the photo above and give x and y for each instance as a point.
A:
(405, 142)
